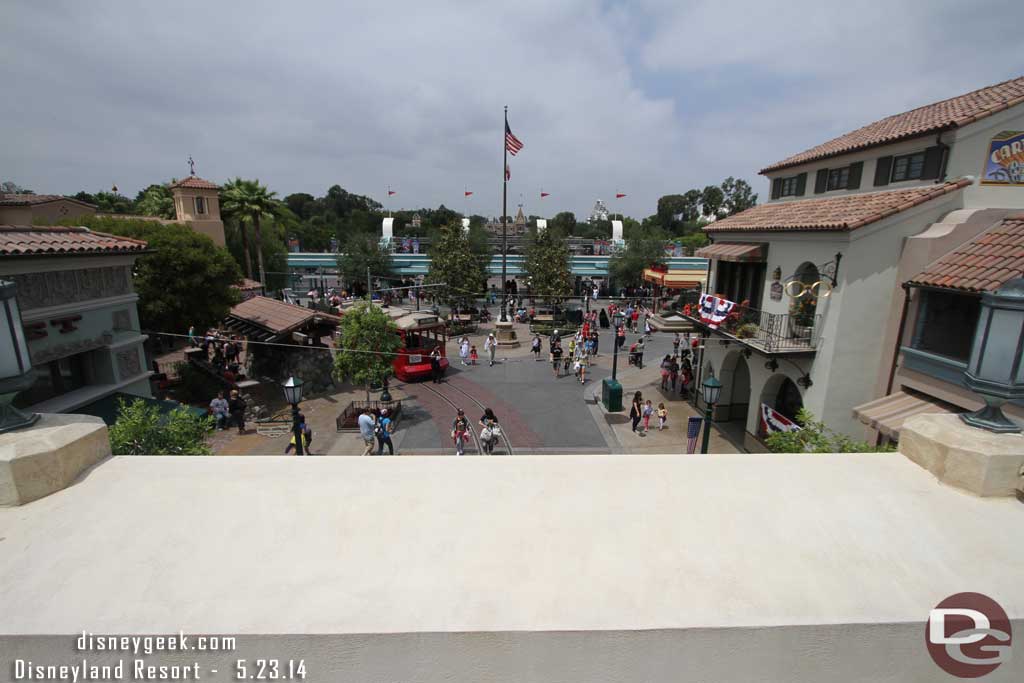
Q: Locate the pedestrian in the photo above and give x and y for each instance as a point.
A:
(464, 350)
(647, 326)
(648, 411)
(491, 432)
(303, 428)
(636, 320)
(236, 406)
(620, 336)
(662, 416)
(673, 373)
(491, 347)
(460, 432)
(220, 411)
(192, 336)
(666, 371)
(636, 410)
(535, 347)
(367, 425)
(640, 353)
(435, 366)
(556, 358)
(473, 355)
(572, 347)
(675, 345)
(385, 428)
(596, 341)
(595, 292)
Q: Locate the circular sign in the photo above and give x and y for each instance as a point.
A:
(968, 635)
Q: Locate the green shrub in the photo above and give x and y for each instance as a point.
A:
(816, 437)
(142, 430)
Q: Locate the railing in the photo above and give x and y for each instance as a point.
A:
(770, 332)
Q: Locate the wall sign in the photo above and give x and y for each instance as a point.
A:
(1005, 162)
(776, 291)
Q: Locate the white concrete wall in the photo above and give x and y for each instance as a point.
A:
(968, 156)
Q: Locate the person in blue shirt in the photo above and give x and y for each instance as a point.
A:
(385, 427)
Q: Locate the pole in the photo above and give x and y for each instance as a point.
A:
(297, 430)
(504, 233)
(369, 285)
(615, 351)
(707, 427)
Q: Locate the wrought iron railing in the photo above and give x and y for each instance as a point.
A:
(770, 332)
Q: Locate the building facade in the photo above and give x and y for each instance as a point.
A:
(197, 204)
(46, 209)
(817, 272)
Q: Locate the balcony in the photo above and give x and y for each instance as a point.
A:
(768, 333)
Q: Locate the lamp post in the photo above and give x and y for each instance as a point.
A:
(611, 390)
(293, 395)
(712, 388)
(15, 362)
(617, 319)
(385, 395)
(996, 366)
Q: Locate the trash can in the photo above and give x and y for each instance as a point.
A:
(611, 395)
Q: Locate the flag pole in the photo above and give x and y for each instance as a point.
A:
(504, 214)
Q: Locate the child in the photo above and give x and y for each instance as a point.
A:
(473, 355)
(675, 345)
(648, 411)
(662, 416)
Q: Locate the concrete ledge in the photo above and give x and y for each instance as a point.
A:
(983, 463)
(49, 456)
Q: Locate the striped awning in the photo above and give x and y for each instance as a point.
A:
(887, 414)
(685, 279)
(741, 252)
(655, 276)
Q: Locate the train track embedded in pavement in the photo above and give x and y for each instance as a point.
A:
(453, 404)
(476, 439)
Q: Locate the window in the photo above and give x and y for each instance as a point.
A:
(788, 187)
(946, 322)
(53, 379)
(908, 167)
(838, 178)
(200, 205)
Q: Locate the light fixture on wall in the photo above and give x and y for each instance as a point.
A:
(796, 288)
(772, 365)
(777, 274)
(805, 381)
(995, 369)
(15, 361)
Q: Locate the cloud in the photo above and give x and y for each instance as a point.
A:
(644, 97)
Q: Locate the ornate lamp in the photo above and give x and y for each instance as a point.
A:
(712, 388)
(293, 395)
(15, 362)
(996, 367)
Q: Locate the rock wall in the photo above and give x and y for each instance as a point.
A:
(312, 364)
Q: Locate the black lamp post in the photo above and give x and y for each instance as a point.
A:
(15, 362)
(617, 323)
(385, 395)
(996, 366)
(611, 390)
(293, 395)
(712, 388)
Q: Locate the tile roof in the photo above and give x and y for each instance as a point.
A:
(984, 263)
(277, 316)
(952, 113)
(38, 240)
(197, 183)
(842, 213)
(30, 199)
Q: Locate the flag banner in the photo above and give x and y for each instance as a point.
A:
(619, 195)
(468, 193)
(544, 194)
(714, 310)
(692, 432)
(774, 421)
(512, 143)
(391, 192)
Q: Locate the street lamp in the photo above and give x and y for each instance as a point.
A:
(617, 320)
(712, 388)
(15, 362)
(611, 390)
(293, 395)
(996, 367)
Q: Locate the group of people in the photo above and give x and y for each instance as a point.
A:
(223, 352)
(468, 354)
(228, 412)
(642, 411)
(376, 430)
(582, 347)
(490, 431)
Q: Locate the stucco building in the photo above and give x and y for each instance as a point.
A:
(821, 266)
(47, 209)
(197, 204)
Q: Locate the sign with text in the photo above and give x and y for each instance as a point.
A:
(1005, 162)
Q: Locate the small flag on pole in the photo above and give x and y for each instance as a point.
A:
(692, 432)
(619, 195)
(544, 194)
(512, 143)
(468, 193)
(390, 191)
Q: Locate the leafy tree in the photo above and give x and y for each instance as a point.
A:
(362, 252)
(644, 249)
(691, 206)
(711, 199)
(156, 200)
(140, 429)
(455, 266)
(248, 201)
(185, 280)
(738, 196)
(11, 187)
(368, 342)
(112, 202)
(816, 437)
(563, 224)
(547, 264)
(694, 241)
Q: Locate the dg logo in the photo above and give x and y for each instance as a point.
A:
(968, 635)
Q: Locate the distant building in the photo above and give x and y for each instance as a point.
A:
(47, 209)
(599, 212)
(197, 204)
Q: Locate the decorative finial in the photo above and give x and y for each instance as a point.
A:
(191, 165)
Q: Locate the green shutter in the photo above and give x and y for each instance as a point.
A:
(932, 162)
(776, 188)
(821, 181)
(856, 169)
(801, 184)
(883, 167)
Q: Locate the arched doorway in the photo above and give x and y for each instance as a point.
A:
(782, 395)
(734, 401)
(803, 307)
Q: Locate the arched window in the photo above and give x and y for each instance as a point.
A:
(803, 307)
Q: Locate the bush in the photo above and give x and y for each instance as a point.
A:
(194, 385)
(816, 437)
(141, 430)
(747, 330)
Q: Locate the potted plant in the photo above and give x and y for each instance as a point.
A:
(801, 312)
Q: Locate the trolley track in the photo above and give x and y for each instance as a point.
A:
(472, 432)
(504, 436)
(476, 439)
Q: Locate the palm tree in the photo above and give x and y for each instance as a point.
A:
(248, 201)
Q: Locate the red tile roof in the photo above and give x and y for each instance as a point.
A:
(38, 240)
(983, 264)
(278, 316)
(197, 183)
(843, 213)
(30, 199)
(952, 113)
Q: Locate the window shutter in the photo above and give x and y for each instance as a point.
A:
(801, 184)
(932, 161)
(776, 188)
(821, 181)
(882, 169)
(855, 172)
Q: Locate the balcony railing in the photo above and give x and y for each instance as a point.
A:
(768, 332)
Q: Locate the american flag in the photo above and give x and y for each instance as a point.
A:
(512, 143)
(692, 432)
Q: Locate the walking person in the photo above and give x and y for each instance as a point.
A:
(556, 358)
(673, 373)
(662, 416)
(473, 355)
(435, 366)
(535, 347)
(460, 432)
(367, 425)
(220, 411)
(648, 412)
(237, 406)
(491, 347)
(491, 431)
(675, 345)
(666, 371)
(385, 428)
(636, 410)
(307, 436)
(464, 350)
(596, 339)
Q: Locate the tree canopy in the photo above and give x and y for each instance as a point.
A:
(457, 266)
(249, 203)
(548, 265)
(368, 340)
(362, 252)
(645, 248)
(141, 429)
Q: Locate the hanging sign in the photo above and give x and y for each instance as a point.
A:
(776, 291)
(1005, 162)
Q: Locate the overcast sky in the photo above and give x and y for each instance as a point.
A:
(647, 97)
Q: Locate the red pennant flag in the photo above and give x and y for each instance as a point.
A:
(468, 193)
(508, 173)
(544, 194)
(619, 195)
(391, 192)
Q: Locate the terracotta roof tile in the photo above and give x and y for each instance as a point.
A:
(982, 265)
(24, 240)
(277, 316)
(195, 182)
(842, 213)
(30, 199)
(952, 113)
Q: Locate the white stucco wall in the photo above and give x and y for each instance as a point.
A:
(969, 153)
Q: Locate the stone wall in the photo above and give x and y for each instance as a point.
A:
(313, 365)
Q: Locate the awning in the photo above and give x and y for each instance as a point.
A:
(685, 279)
(887, 414)
(654, 276)
(740, 252)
